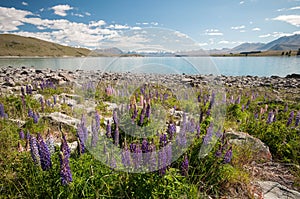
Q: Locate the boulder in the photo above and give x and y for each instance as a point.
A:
(57, 118)
(274, 190)
(260, 150)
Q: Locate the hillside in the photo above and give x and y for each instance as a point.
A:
(109, 51)
(247, 47)
(293, 40)
(14, 45)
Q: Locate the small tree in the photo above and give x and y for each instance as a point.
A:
(298, 53)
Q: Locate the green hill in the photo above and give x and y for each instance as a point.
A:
(14, 45)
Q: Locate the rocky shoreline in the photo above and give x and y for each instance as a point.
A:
(10, 77)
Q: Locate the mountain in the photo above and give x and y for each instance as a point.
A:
(15, 45)
(285, 40)
(247, 47)
(285, 47)
(109, 51)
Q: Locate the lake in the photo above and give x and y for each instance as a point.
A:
(229, 66)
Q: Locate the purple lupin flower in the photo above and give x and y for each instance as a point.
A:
(169, 153)
(135, 113)
(21, 135)
(29, 90)
(22, 91)
(95, 137)
(256, 115)
(97, 121)
(153, 157)
(228, 155)
(144, 145)
(80, 135)
(23, 101)
(198, 131)
(290, 120)
(199, 98)
(108, 130)
(30, 113)
(238, 100)
(35, 118)
(286, 108)
(50, 142)
(65, 170)
(137, 156)
(113, 163)
(162, 161)
(148, 110)
(163, 140)
(116, 136)
(2, 111)
(209, 132)
(219, 152)
(141, 121)
(224, 98)
(45, 156)
(185, 166)
(212, 101)
(191, 126)
(34, 150)
(54, 99)
(171, 130)
(297, 119)
(181, 137)
(115, 117)
(270, 117)
(42, 104)
(126, 156)
(248, 104)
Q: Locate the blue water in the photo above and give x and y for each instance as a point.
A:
(230, 66)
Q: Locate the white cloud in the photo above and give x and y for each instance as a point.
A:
(11, 18)
(77, 15)
(256, 29)
(242, 30)
(295, 8)
(97, 23)
(203, 44)
(118, 27)
(87, 14)
(24, 3)
(223, 42)
(242, 2)
(136, 28)
(154, 23)
(238, 27)
(278, 34)
(180, 34)
(288, 9)
(61, 9)
(213, 32)
(291, 19)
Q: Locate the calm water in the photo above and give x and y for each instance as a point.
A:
(234, 66)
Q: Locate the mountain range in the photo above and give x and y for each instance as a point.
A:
(15, 45)
(282, 43)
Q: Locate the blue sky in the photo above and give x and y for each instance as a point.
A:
(155, 24)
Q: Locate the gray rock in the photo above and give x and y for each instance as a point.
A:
(260, 150)
(274, 190)
(57, 118)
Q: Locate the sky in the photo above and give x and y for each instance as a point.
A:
(174, 25)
